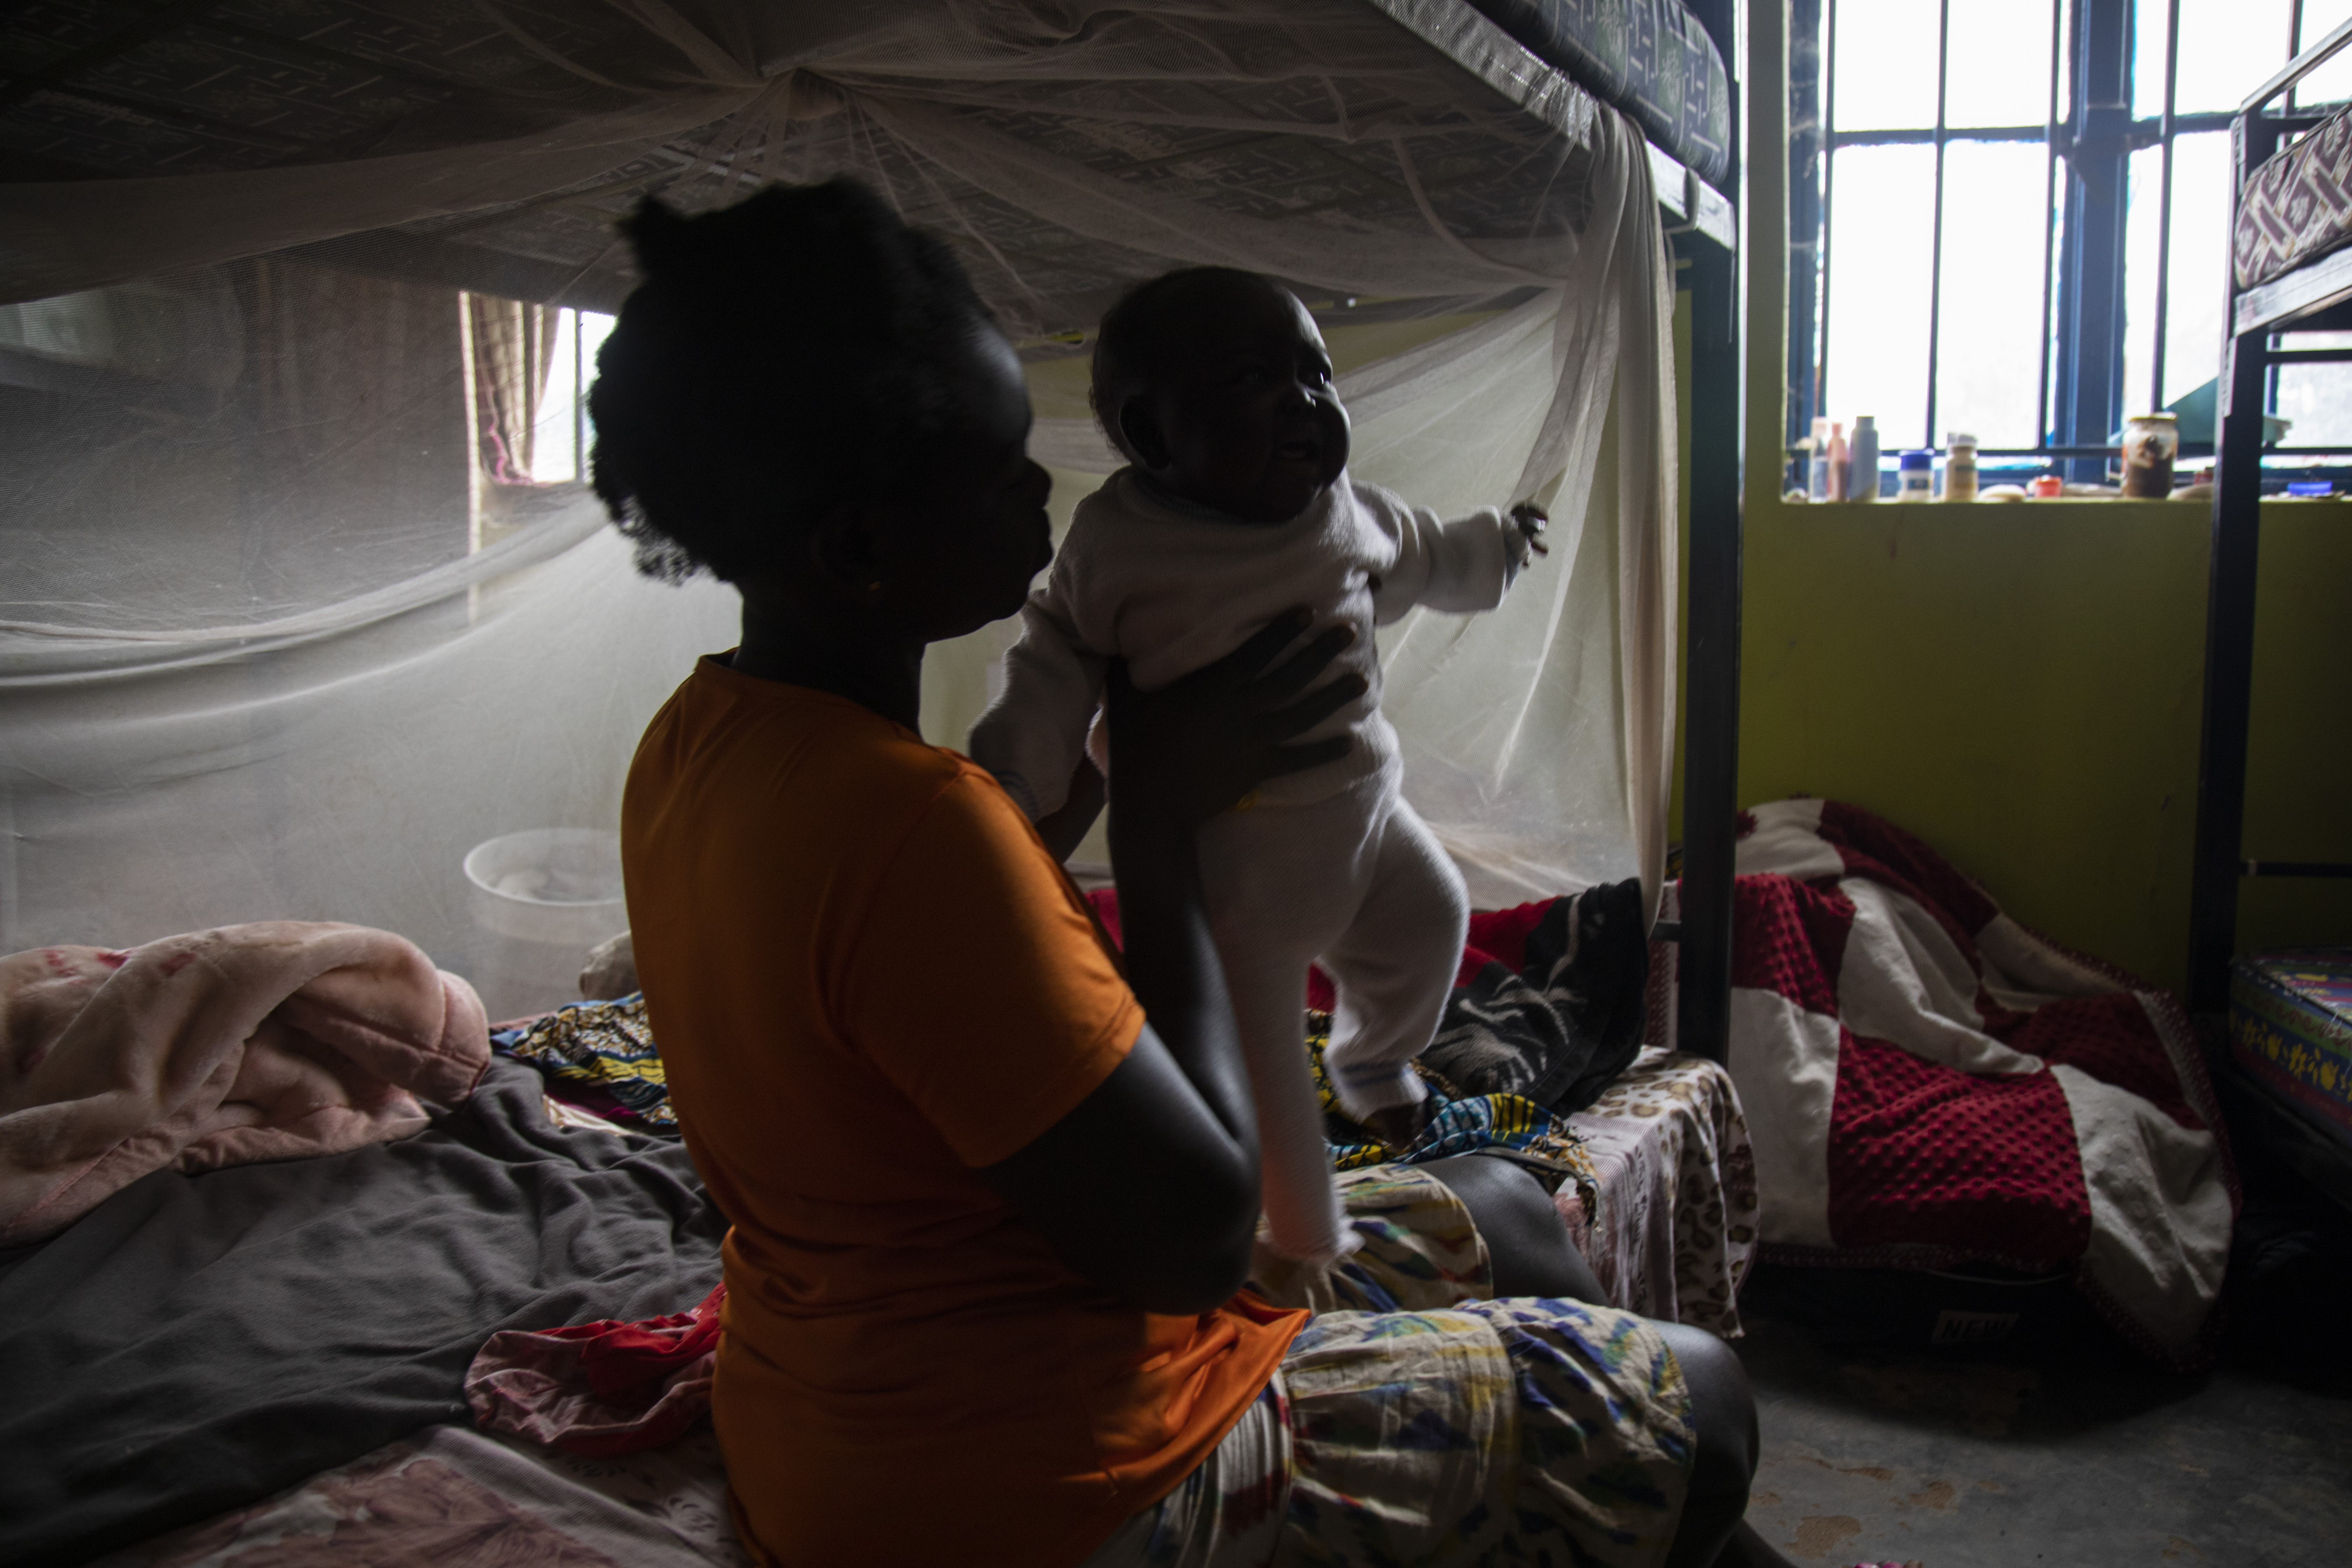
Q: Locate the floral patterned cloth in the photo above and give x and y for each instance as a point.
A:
(455, 1499)
(1676, 1227)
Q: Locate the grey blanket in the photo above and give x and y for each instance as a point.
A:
(196, 1343)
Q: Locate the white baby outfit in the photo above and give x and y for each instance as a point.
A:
(1330, 863)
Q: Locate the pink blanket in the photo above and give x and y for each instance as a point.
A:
(1927, 1081)
(219, 1047)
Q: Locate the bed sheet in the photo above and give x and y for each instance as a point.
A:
(197, 1342)
(1676, 1226)
(448, 1495)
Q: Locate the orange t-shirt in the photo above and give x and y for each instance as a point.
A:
(868, 978)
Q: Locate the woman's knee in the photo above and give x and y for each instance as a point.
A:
(1723, 1412)
(1527, 1243)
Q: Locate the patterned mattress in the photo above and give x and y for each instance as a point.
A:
(2299, 204)
(1649, 57)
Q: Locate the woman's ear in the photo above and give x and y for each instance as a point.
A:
(1138, 430)
(841, 550)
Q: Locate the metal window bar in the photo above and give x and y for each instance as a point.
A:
(1805, 229)
(1810, 338)
(2060, 310)
(1936, 231)
(1821, 351)
(2050, 226)
(2164, 203)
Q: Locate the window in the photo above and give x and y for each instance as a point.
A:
(2011, 217)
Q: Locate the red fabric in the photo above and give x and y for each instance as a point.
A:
(618, 1356)
(2109, 1038)
(599, 1389)
(1918, 1152)
(1789, 937)
(1873, 848)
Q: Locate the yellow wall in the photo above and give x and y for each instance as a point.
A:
(2020, 685)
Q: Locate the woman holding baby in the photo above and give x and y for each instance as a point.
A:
(998, 1291)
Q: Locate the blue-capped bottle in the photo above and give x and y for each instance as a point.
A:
(1917, 471)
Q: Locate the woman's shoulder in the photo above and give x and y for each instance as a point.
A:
(736, 744)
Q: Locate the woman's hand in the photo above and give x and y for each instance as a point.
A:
(1195, 748)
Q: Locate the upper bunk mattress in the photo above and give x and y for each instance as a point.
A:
(2298, 206)
(1650, 57)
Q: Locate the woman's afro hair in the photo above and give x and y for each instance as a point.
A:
(779, 352)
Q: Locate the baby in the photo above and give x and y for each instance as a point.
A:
(1236, 505)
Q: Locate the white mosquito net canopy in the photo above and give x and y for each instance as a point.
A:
(304, 597)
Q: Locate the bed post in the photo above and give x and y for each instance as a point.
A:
(2229, 681)
(2229, 625)
(1711, 702)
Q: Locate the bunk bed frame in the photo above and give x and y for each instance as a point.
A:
(556, 248)
(1711, 619)
(2314, 297)
(1704, 229)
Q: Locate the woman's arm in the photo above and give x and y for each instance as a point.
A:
(1065, 829)
(1149, 1186)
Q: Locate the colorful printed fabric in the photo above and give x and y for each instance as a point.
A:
(1458, 1124)
(2290, 1029)
(1414, 1423)
(599, 1056)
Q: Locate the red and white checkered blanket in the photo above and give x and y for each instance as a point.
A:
(1926, 1082)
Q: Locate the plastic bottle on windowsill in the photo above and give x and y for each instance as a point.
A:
(1959, 467)
(1838, 459)
(1916, 472)
(1817, 475)
(1862, 465)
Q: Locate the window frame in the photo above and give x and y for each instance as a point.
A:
(2080, 395)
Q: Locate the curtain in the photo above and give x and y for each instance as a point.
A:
(511, 345)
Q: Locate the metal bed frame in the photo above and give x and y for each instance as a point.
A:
(1711, 625)
(2314, 297)
(1705, 236)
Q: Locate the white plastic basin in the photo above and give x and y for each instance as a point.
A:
(539, 901)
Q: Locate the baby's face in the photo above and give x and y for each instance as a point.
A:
(1245, 418)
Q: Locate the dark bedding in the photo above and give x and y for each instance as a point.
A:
(198, 1342)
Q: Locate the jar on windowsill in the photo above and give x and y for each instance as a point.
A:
(2152, 445)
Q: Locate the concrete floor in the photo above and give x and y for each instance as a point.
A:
(2082, 1455)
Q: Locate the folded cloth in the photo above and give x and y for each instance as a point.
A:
(603, 1388)
(269, 1041)
(599, 1057)
(1458, 1123)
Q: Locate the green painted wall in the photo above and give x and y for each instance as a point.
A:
(2018, 685)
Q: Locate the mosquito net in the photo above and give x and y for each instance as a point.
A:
(304, 597)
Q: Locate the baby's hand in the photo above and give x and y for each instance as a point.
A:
(1531, 520)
